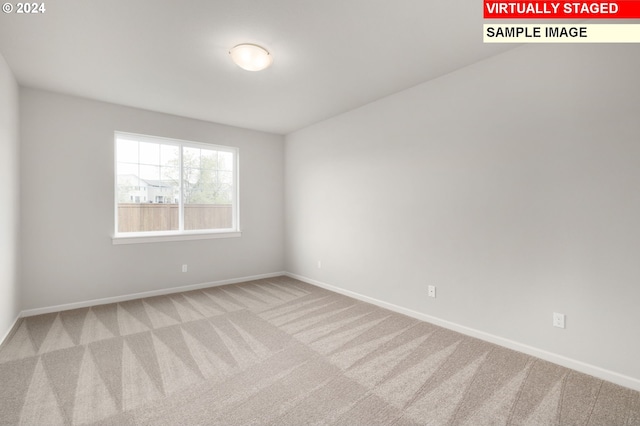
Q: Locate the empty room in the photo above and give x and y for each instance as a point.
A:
(288, 212)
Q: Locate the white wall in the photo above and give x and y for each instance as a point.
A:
(513, 185)
(67, 182)
(9, 199)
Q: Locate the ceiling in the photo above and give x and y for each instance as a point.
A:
(172, 56)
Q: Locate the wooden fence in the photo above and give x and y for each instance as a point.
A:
(134, 217)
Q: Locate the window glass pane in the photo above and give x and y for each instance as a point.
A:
(197, 186)
(225, 160)
(225, 197)
(206, 206)
(127, 169)
(146, 203)
(147, 217)
(190, 178)
(225, 177)
(191, 157)
(149, 153)
(128, 188)
(149, 172)
(208, 159)
(169, 155)
(171, 176)
(127, 151)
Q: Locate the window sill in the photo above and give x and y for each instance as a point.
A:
(136, 238)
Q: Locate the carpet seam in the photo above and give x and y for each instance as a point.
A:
(420, 390)
(562, 396)
(595, 402)
(519, 394)
(466, 391)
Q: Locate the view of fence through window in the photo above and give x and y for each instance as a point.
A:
(165, 185)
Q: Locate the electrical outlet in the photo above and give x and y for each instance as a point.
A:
(432, 291)
(319, 264)
(558, 320)
(184, 268)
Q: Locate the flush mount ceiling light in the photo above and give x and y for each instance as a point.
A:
(251, 57)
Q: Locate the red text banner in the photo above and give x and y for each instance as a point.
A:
(623, 9)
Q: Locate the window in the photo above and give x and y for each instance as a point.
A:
(191, 188)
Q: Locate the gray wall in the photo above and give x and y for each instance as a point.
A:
(9, 199)
(67, 182)
(512, 185)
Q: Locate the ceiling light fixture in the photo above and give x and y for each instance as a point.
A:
(251, 57)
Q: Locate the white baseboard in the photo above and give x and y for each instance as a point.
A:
(8, 333)
(162, 292)
(592, 370)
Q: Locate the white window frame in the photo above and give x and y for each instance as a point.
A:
(181, 234)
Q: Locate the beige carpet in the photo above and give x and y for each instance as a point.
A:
(278, 351)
